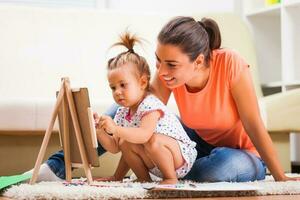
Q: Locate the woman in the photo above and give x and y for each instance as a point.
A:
(216, 98)
(217, 104)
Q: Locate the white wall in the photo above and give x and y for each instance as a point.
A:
(164, 6)
(171, 6)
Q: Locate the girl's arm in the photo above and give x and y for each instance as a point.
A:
(159, 89)
(138, 135)
(110, 143)
(245, 98)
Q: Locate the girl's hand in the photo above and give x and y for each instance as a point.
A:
(108, 124)
(96, 120)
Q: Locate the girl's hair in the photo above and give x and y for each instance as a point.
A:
(130, 56)
(191, 36)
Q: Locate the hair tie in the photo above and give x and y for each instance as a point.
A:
(201, 24)
(131, 50)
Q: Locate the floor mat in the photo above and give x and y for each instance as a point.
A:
(79, 189)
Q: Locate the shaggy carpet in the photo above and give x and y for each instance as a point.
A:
(79, 189)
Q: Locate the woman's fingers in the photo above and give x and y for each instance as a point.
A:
(293, 179)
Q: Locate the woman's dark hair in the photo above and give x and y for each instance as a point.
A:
(130, 56)
(191, 36)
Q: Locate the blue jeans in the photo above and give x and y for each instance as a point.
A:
(213, 164)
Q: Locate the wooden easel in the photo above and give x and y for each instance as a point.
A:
(64, 103)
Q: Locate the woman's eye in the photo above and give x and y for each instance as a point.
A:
(157, 64)
(171, 65)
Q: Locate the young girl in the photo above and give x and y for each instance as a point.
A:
(149, 136)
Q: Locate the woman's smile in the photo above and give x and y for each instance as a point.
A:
(169, 80)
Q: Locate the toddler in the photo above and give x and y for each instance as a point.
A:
(150, 137)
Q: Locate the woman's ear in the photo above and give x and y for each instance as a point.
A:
(200, 61)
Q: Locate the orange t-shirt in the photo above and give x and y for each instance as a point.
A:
(212, 112)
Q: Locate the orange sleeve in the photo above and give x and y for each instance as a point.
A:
(236, 65)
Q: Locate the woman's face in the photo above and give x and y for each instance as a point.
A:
(174, 67)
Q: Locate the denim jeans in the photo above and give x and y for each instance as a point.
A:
(213, 164)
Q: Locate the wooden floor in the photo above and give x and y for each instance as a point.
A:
(275, 197)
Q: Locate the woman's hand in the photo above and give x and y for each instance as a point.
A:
(108, 124)
(286, 178)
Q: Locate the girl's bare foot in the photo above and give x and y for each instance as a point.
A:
(109, 178)
(142, 180)
(168, 181)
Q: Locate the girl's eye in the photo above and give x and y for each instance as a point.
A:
(123, 85)
(113, 88)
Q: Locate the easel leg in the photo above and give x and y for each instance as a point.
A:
(74, 117)
(47, 137)
(66, 142)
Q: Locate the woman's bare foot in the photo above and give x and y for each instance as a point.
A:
(168, 181)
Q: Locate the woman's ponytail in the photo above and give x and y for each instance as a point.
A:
(213, 32)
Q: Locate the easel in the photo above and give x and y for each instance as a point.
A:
(65, 102)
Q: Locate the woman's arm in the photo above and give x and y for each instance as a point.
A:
(245, 98)
(159, 89)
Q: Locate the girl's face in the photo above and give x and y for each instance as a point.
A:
(174, 67)
(127, 87)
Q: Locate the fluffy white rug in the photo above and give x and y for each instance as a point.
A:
(78, 189)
